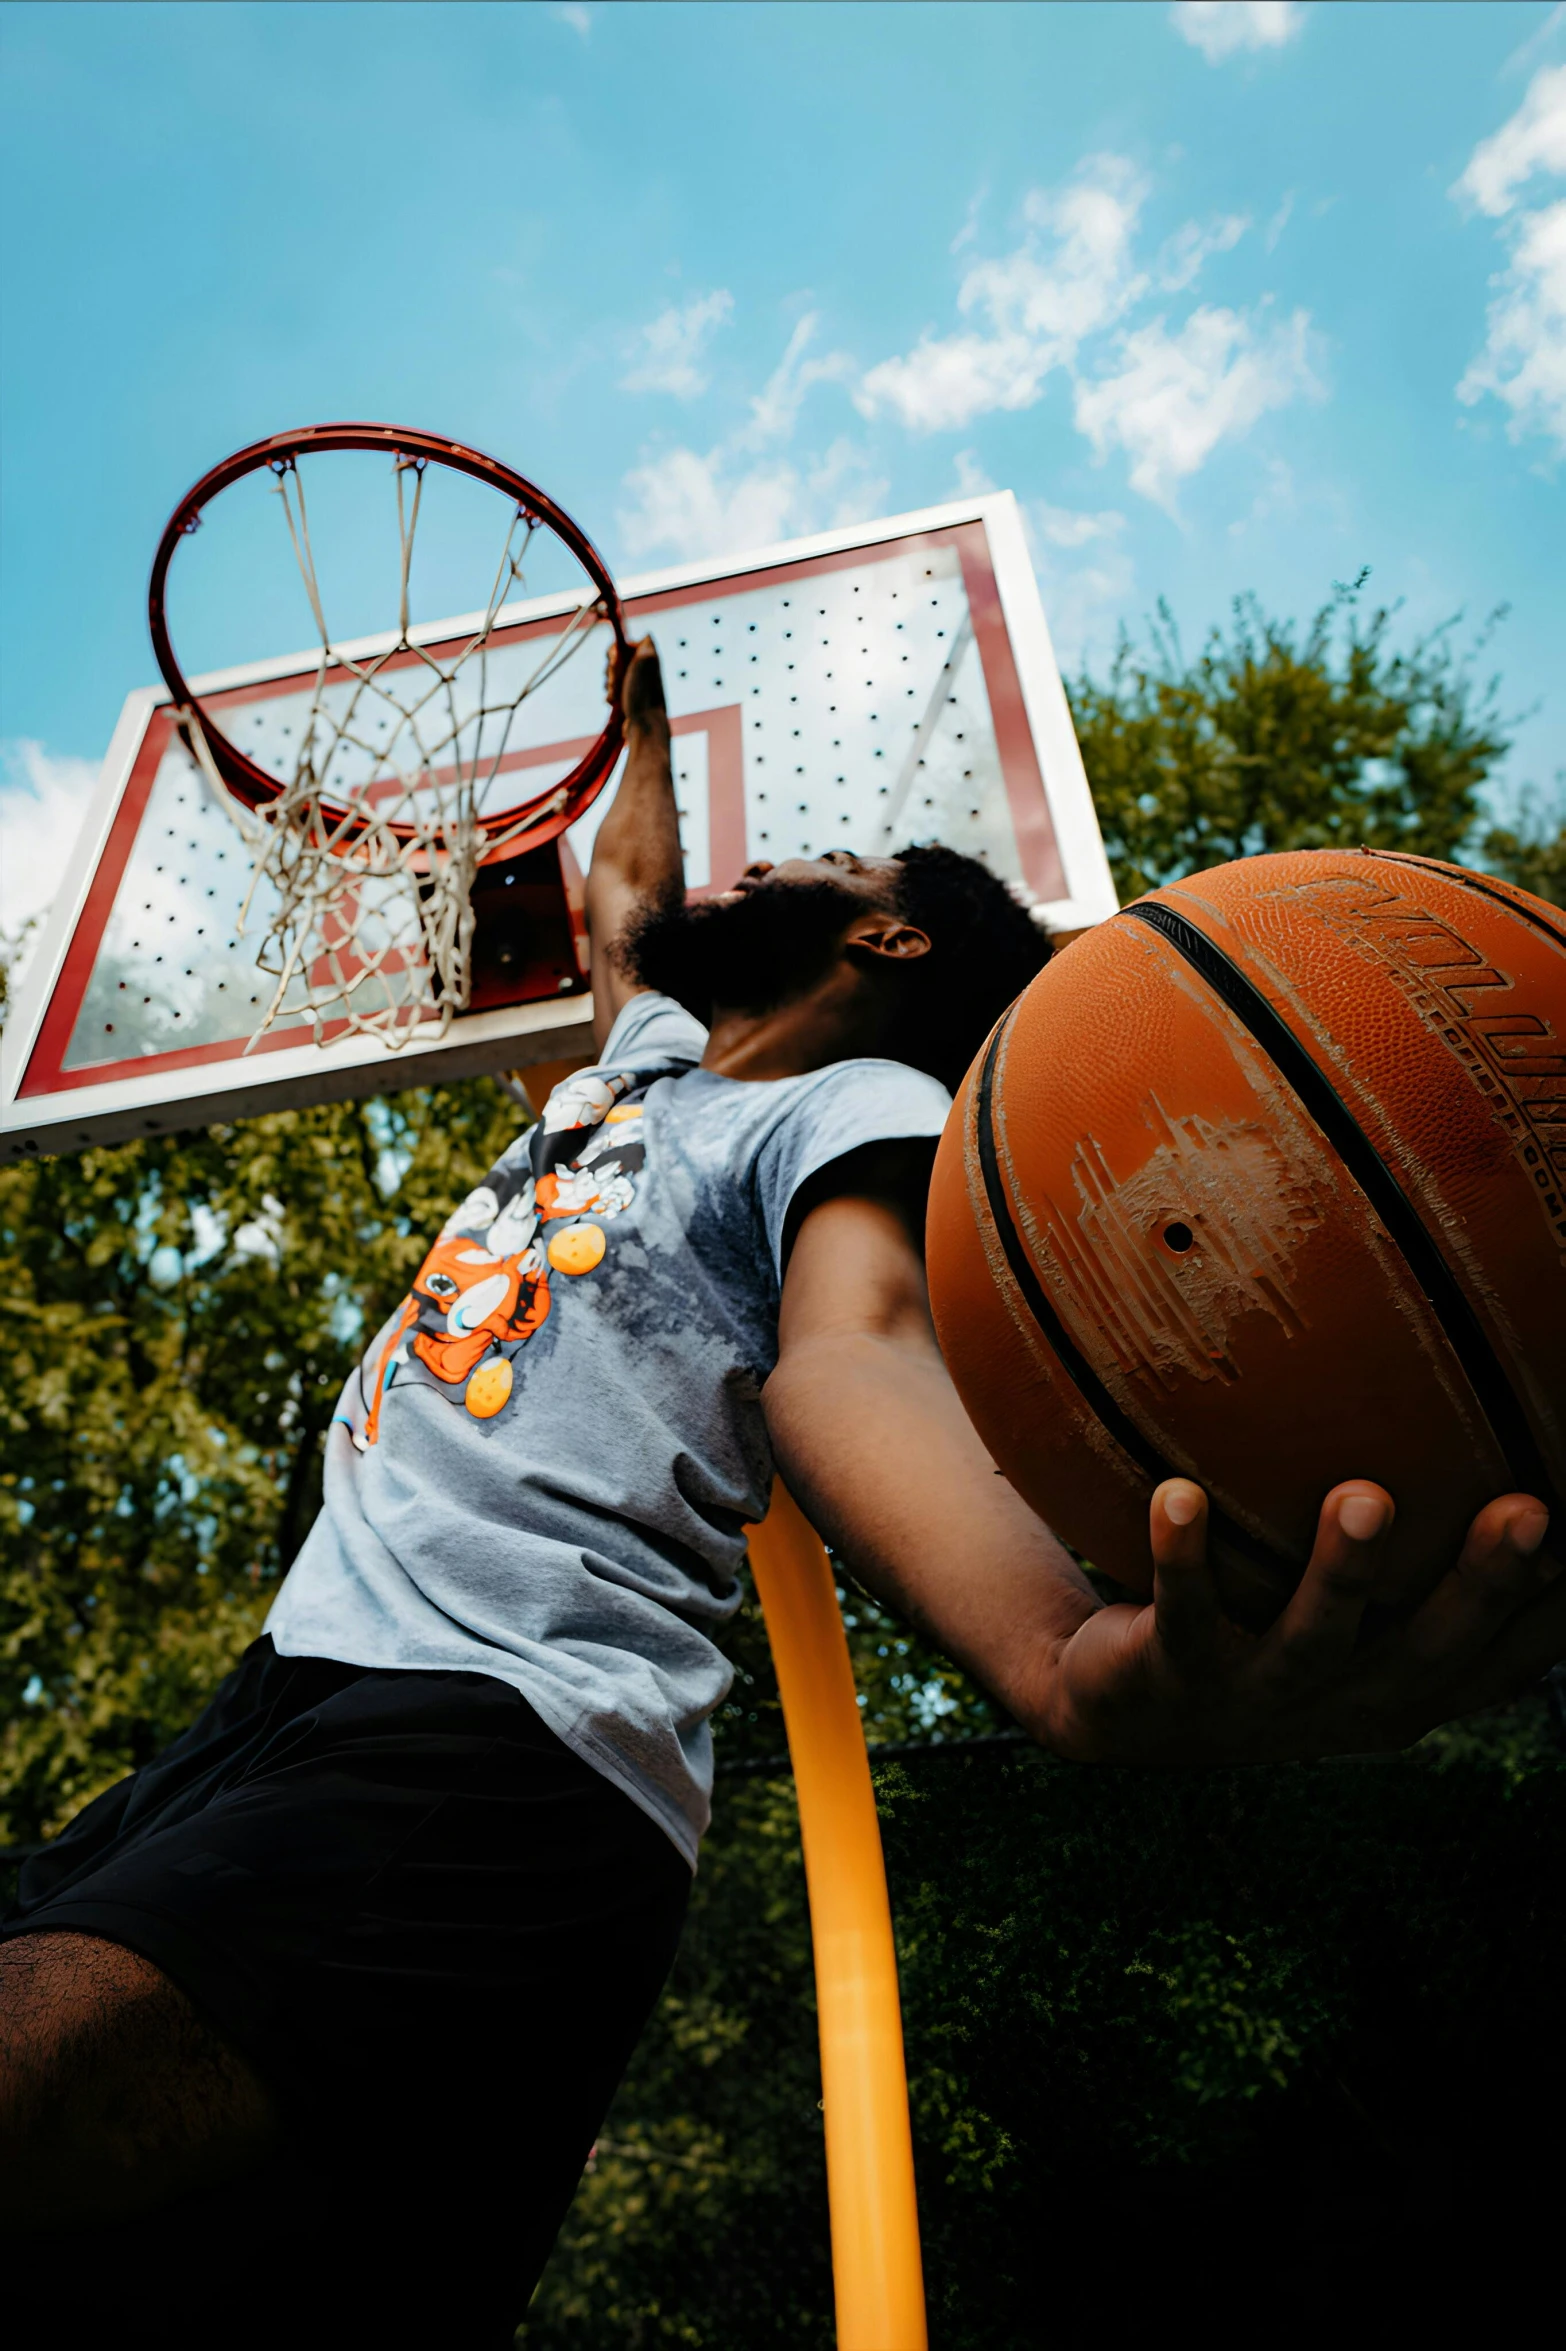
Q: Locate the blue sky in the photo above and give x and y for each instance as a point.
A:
(1234, 297)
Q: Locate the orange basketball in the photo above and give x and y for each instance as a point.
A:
(1263, 1183)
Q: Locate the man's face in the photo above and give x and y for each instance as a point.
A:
(769, 939)
(871, 880)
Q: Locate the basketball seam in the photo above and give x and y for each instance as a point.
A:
(1320, 1099)
(1112, 1416)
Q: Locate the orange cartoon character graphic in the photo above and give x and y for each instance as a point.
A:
(483, 1290)
(469, 1310)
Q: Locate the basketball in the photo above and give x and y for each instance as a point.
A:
(1263, 1183)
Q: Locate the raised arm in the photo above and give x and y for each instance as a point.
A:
(636, 855)
(873, 1441)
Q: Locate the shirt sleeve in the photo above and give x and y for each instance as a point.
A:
(653, 1028)
(839, 1110)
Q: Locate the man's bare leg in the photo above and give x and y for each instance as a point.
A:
(115, 2093)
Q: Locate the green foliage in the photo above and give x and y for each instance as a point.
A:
(1534, 856)
(184, 1312)
(1276, 739)
(1308, 1999)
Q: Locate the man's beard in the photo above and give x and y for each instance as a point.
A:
(752, 955)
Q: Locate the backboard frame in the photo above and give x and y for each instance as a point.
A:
(44, 1109)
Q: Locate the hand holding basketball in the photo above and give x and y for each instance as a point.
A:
(1176, 1681)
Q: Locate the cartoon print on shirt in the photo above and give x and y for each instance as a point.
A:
(484, 1289)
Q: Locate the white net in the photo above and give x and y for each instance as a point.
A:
(375, 835)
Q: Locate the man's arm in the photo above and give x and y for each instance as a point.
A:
(872, 1439)
(636, 855)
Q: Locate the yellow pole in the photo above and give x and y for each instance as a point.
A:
(877, 2274)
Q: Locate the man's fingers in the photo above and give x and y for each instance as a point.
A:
(1185, 1598)
(1320, 1625)
(636, 679)
(1503, 1565)
(1532, 1639)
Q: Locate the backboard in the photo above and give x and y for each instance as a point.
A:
(862, 689)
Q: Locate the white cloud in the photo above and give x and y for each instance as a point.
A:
(1533, 140)
(43, 799)
(968, 233)
(745, 492)
(685, 504)
(1070, 277)
(1066, 526)
(1167, 398)
(690, 505)
(1061, 296)
(972, 480)
(673, 346)
(1223, 28)
(1187, 252)
(1173, 397)
(572, 13)
(1526, 51)
(775, 409)
(948, 380)
(1523, 362)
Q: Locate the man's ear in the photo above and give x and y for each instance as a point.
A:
(886, 936)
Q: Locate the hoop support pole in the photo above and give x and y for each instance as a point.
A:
(877, 2274)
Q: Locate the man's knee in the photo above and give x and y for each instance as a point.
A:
(115, 2093)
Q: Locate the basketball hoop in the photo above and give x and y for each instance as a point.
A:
(370, 836)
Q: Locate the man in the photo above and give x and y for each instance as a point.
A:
(362, 1956)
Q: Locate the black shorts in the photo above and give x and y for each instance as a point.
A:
(437, 1935)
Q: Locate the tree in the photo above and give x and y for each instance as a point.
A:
(184, 1312)
(1533, 857)
(1272, 738)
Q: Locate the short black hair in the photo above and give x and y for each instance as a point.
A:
(984, 949)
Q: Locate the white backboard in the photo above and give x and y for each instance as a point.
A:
(888, 683)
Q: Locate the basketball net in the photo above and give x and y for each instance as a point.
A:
(372, 844)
